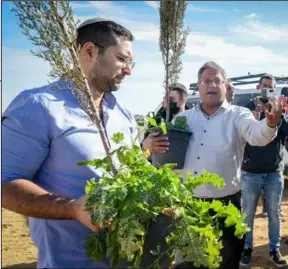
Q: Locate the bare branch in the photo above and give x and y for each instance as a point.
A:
(172, 40)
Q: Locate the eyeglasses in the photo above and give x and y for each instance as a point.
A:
(207, 82)
(126, 60)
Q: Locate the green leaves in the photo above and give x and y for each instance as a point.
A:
(163, 126)
(152, 121)
(91, 184)
(180, 123)
(95, 247)
(118, 138)
(217, 206)
(98, 163)
(137, 194)
(204, 178)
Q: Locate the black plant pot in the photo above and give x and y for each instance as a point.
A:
(158, 230)
(178, 140)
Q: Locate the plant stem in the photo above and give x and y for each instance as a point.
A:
(94, 115)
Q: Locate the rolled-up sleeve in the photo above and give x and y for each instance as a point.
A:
(25, 137)
(256, 133)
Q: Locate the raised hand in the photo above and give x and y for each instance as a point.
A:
(274, 116)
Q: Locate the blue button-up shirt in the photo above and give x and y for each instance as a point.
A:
(44, 134)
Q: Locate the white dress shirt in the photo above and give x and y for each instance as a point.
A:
(217, 144)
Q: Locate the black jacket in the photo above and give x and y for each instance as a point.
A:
(267, 159)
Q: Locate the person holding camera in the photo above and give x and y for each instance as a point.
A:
(262, 169)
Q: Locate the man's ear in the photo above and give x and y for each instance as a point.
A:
(185, 99)
(258, 87)
(89, 51)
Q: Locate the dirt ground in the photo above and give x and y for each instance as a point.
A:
(18, 250)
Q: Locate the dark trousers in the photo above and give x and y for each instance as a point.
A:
(232, 246)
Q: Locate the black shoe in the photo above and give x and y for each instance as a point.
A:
(246, 257)
(275, 256)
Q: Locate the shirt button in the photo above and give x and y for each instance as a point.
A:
(201, 144)
(204, 131)
(198, 158)
(195, 173)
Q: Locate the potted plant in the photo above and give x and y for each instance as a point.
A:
(178, 136)
(153, 213)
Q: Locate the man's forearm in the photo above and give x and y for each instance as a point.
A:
(263, 134)
(26, 198)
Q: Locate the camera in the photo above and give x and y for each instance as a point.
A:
(266, 94)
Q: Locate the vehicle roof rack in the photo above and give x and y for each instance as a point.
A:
(242, 80)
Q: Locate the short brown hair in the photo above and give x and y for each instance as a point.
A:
(213, 65)
(103, 33)
(267, 76)
(179, 88)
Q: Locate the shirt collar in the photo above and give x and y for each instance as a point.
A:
(109, 99)
(225, 105)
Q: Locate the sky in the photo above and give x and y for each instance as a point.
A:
(248, 36)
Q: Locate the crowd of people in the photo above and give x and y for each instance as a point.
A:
(45, 133)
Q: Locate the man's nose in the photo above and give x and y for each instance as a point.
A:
(127, 70)
(212, 84)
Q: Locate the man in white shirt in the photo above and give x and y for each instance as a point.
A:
(220, 132)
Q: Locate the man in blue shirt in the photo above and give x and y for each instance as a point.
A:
(45, 133)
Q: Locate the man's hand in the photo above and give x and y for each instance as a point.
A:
(83, 216)
(274, 116)
(181, 104)
(156, 144)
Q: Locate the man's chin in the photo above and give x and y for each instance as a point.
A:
(212, 103)
(114, 88)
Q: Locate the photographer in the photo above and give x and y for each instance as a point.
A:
(262, 169)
